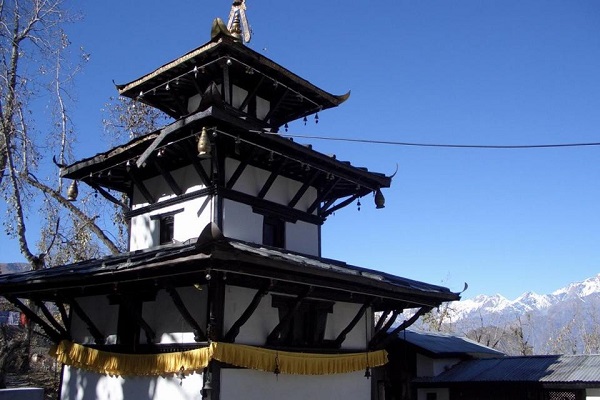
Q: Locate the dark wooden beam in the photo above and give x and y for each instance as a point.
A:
(275, 106)
(383, 331)
(99, 338)
(238, 172)
(199, 335)
(226, 84)
(63, 313)
(61, 329)
(361, 312)
(197, 164)
(170, 202)
(271, 179)
(303, 189)
(150, 335)
(385, 340)
(140, 185)
(267, 207)
(108, 196)
(327, 212)
(322, 195)
(168, 178)
(235, 328)
(273, 337)
(384, 316)
(251, 95)
(54, 335)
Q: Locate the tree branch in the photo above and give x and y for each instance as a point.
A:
(76, 211)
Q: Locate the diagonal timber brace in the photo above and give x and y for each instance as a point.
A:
(199, 334)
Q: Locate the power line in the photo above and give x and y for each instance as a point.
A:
(460, 146)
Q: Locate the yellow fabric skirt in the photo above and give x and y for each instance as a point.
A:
(250, 357)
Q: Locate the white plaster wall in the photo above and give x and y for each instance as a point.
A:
(442, 394)
(238, 96)
(431, 367)
(261, 323)
(83, 385)
(240, 222)
(592, 394)
(266, 317)
(255, 385)
(342, 315)
(302, 237)
(188, 224)
(282, 191)
(166, 321)
(104, 316)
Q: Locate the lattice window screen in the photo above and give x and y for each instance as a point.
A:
(562, 396)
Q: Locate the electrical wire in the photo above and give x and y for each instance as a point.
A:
(460, 146)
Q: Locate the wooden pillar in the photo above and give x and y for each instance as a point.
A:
(215, 316)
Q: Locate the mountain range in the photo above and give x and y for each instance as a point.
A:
(566, 321)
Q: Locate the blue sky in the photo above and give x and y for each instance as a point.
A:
(440, 72)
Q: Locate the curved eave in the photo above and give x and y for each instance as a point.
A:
(243, 263)
(210, 57)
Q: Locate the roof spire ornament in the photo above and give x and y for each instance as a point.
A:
(238, 23)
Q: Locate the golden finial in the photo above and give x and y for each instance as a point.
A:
(238, 23)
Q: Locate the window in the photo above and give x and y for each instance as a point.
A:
(166, 229)
(307, 326)
(166, 226)
(431, 396)
(274, 232)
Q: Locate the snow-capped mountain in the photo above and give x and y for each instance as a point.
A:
(564, 321)
(527, 302)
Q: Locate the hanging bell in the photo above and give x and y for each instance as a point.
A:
(72, 191)
(203, 144)
(379, 199)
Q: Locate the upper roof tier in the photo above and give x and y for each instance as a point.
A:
(225, 62)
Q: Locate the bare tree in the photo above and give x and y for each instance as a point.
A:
(33, 54)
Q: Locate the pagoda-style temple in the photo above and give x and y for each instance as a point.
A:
(224, 293)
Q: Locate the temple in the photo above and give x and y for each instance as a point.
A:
(223, 293)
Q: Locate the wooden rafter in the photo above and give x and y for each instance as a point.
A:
(108, 196)
(63, 313)
(238, 171)
(327, 211)
(322, 195)
(99, 338)
(235, 328)
(384, 316)
(199, 334)
(197, 165)
(273, 337)
(54, 335)
(140, 185)
(61, 329)
(383, 331)
(168, 178)
(385, 340)
(226, 84)
(275, 106)
(361, 312)
(303, 189)
(252, 94)
(271, 179)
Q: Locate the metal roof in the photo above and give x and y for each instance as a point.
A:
(241, 261)
(526, 369)
(438, 345)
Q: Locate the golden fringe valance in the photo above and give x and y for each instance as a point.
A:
(250, 357)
